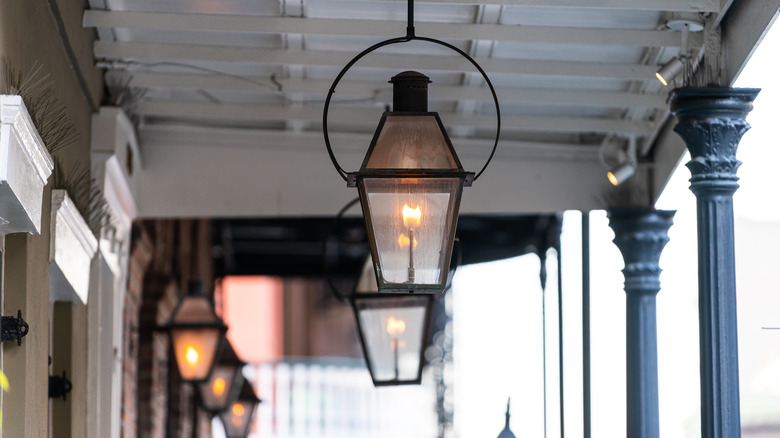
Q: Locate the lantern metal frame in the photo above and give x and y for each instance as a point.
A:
(196, 289)
(227, 357)
(356, 179)
(356, 297)
(247, 394)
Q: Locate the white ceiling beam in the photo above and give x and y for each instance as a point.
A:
(744, 26)
(208, 111)
(162, 135)
(149, 52)
(639, 5)
(385, 28)
(436, 93)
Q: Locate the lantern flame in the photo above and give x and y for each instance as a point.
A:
(395, 326)
(219, 386)
(411, 216)
(403, 241)
(191, 355)
(238, 414)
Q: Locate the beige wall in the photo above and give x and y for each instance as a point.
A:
(30, 35)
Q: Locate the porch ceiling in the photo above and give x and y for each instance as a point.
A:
(228, 95)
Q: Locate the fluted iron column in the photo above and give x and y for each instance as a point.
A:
(711, 121)
(641, 234)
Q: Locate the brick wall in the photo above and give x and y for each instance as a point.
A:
(140, 257)
(164, 256)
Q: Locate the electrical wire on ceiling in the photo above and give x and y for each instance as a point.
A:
(273, 83)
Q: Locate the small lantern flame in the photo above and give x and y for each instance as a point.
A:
(219, 386)
(191, 355)
(238, 415)
(395, 326)
(411, 216)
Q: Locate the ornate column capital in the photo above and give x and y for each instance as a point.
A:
(641, 234)
(712, 122)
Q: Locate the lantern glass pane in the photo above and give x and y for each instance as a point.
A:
(393, 331)
(237, 419)
(217, 392)
(412, 220)
(411, 142)
(194, 349)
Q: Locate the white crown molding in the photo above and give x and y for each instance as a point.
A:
(25, 166)
(72, 248)
(116, 159)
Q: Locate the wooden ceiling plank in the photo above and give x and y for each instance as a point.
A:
(229, 112)
(151, 53)
(382, 92)
(160, 135)
(637, 5)
(330, 26)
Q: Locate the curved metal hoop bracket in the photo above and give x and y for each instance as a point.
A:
(397, 40)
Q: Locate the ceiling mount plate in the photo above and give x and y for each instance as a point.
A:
(679, 25)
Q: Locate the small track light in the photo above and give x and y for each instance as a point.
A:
(626, 169)
(620, 173)
(670, 70)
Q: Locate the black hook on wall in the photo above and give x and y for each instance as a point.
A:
(59, 387)
(13, 328)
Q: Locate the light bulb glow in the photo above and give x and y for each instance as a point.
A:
(219, 386)
(238, 410)
(411, 216)
(395, 326)
(191, 355)
(612, 178)
(663, 81)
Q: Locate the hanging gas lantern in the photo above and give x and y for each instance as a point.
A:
(411, 181)
(237, 418)
(224, 382)
(197, 334)
(410, 186)
(393, 331)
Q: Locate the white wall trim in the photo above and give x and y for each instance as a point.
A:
(25, 166)
(72, 247)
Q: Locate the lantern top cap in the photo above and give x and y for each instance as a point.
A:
(195, 309)
(247, 393)
(195, 288)
(410, 92)
(229, 355)
(411, 76)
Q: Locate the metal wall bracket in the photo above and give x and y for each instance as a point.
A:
(59, 387)
(13, 328)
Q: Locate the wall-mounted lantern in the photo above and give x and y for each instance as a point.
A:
(197, 334)
(223, 384)
(237, 419)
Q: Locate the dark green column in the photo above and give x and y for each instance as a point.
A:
(641, 234)
(711, 121)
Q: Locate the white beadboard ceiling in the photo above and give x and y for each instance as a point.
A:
(228, 95)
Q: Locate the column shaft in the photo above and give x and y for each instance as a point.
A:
(712, 122)
(641, 234)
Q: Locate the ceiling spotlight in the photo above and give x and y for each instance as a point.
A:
(676, 65)
(626, 169)
(670, 70)
(620, 173)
